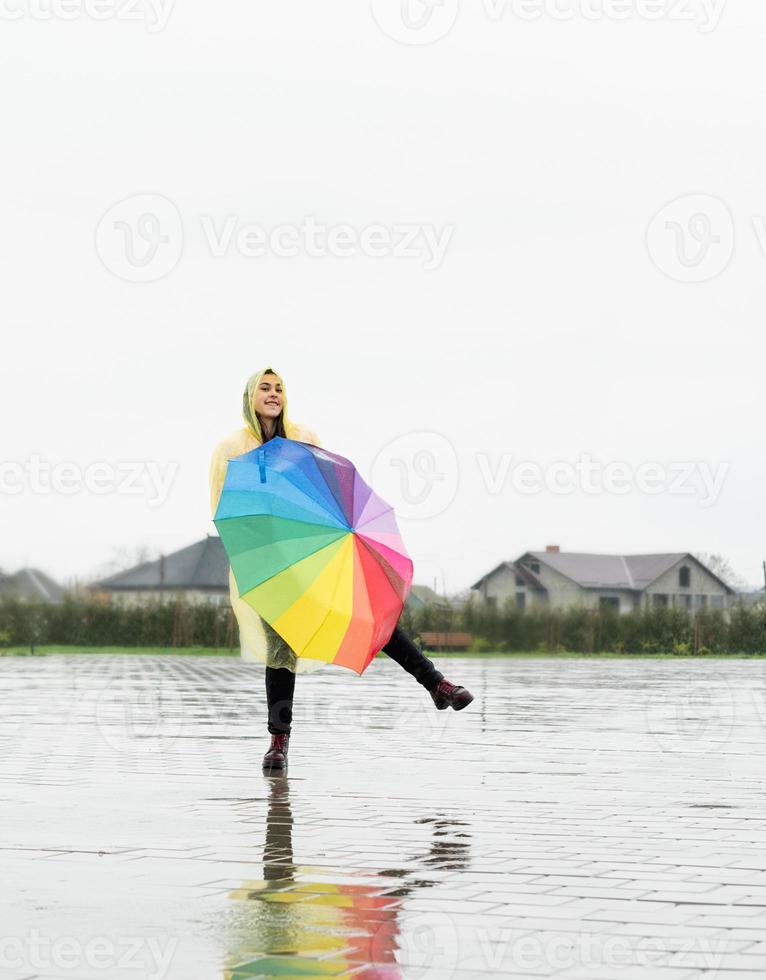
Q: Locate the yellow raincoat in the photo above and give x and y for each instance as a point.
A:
(258, 641)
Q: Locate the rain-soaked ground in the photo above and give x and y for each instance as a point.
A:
(581, 819)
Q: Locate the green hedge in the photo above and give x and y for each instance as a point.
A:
(87, 623)
(174, 623)
(581, 630)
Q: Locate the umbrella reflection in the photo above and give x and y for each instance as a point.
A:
(290, 923)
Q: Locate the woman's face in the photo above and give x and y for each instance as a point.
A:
(268, 397)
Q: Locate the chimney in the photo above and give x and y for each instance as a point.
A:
(552, 549)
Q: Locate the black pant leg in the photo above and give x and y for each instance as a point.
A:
(280, 686)
(401, 649)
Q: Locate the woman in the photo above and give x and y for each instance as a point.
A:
(264, 408)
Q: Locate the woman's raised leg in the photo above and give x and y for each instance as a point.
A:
(444, 694)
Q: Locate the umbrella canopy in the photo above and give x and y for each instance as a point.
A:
(314, 551)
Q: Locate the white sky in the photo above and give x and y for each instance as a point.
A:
(548, 332)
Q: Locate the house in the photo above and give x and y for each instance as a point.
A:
(423, 595)
(197, 573)
(31, 584)
(557, 579)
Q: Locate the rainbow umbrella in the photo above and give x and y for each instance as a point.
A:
(314, 551)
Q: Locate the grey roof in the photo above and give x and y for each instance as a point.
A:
(634, 572)
(31, 583)
(426, 593)
(423, 595)
(529, 577)
(202, 565)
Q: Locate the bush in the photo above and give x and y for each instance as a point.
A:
(580, 629)
(177, 623)
(481, 645)
(83, 622)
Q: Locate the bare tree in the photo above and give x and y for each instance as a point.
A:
(721, 566)
(123, 558)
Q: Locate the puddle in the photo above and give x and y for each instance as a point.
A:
(296, 921)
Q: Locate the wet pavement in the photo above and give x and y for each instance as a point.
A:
(581, 819)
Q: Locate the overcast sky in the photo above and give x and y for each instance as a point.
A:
(515, 273)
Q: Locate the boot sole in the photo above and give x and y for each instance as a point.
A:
(459, 707)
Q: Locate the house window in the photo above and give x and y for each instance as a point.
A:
(492, 601)
(609, 602)
(659, 600)
(684, 577)
(685, 601)
(520, 581)
(701, 601)
(534, 566)
(521, 600)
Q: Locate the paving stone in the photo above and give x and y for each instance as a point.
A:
(582, 819)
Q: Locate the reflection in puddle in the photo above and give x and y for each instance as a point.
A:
(292, 924)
